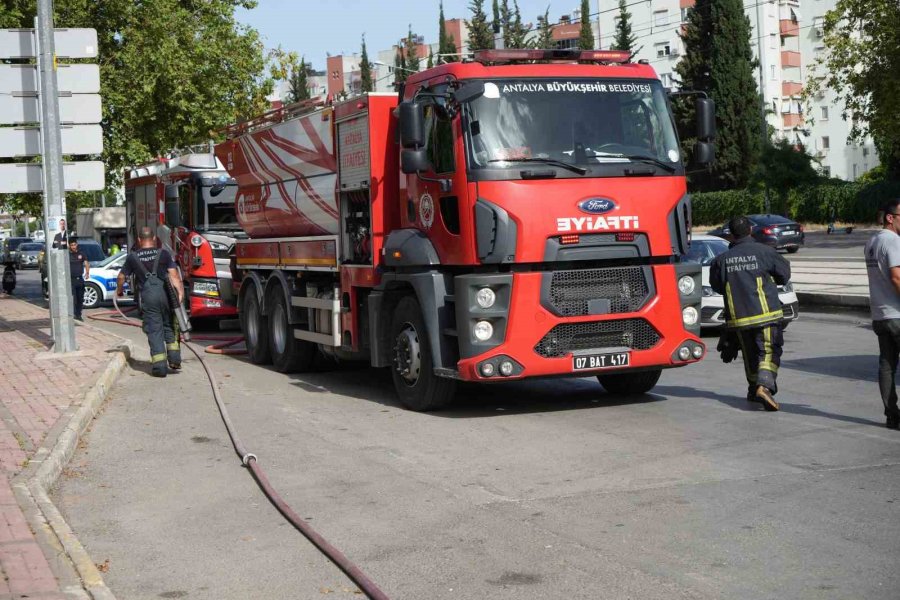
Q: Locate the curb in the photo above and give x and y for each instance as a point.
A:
(34, 490)
(859, 302)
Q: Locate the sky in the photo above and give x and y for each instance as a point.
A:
(314, 27)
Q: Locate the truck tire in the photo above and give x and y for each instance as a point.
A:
(256, 329)
(418, 388)
(289, 355)
(630, 384)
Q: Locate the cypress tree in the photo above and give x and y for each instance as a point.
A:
(624, 38)
(298, 82)
(446, 43)
(586, 38)
(411, 52)
(495, 22)
(365, 69)
(399, 66)
(480, 35)
(718, 60)
(430, 62)
(514, 32)
(544, 40)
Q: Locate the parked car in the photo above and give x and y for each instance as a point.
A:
(773, 230)
(704, 248)
(9, 253)
(92, 251)
(101, 287)
(27, 255)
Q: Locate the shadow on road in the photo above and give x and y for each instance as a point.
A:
(741, 403)
(863, 367)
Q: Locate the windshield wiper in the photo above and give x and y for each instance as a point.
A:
(641, 158)
(547, 161)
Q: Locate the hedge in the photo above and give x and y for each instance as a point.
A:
(852, 202)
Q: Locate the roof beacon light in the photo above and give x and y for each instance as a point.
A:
(519, 55)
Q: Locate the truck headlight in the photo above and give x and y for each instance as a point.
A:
(483, 331)
(205, 288)
(686, 285)
(485, 297)
(196, 241)
(689, 315)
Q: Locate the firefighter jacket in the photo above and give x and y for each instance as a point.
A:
(747, 275)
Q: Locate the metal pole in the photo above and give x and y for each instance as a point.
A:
(62, 324)
(762, 95)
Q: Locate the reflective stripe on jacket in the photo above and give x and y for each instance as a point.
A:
(748, 274)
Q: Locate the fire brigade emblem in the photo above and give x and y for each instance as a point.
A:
(426, 210)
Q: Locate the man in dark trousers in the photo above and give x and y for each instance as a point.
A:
(883, 267)
(153, 269)
(79, 270)
(748, 274)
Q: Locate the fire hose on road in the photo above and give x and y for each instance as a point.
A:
(249, 460)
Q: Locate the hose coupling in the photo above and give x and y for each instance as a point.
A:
(245, 460)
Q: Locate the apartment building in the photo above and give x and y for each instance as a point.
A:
(787, 39)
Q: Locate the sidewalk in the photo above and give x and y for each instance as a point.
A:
(39, 394)
(831, 281)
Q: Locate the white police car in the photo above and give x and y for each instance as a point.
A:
(101, 287)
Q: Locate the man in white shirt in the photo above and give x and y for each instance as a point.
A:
(883, 267)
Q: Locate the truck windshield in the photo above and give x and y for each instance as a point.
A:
(220, 213)
(603, 126)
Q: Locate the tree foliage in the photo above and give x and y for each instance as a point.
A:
(365, 69)
(411, 52)
(861, 64)
(544, 39)
(586, 37)
(625, 39)
(446, 44)
(718, 60)
(171, 71)
(480, 35)
(293, 69)
(515, 33)
(782, 167)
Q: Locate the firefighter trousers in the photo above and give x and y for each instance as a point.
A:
(162, 331)
(761, 349)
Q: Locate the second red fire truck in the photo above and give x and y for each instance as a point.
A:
(520, 215)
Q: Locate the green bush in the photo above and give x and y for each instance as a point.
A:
(852, 202)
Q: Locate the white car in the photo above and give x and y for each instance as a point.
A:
(704, 248)
(101, 287)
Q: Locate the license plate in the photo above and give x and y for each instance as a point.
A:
(601, 361)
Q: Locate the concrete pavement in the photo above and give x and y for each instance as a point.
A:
(41, 394)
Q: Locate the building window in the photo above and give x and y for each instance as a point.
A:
(855, 171)
(824, 110)
(772, 72)
(684, 13)
(663, 50)
(569, 44)
(865, 151)
(666, 80)
(661, 17)
(826, 142)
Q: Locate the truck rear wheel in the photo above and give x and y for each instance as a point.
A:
(630, 384)
(417, 386)
(256, 329)
(289, 355)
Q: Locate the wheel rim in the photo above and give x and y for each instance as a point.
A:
(90, 296)
(408, 355)
(279, 329)
(252, 323)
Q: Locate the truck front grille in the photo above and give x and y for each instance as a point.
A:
(636, 334)
(625, 288)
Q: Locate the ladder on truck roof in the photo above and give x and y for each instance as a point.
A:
(272, 117)
(197, 156)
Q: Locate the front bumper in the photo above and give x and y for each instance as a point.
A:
(539, 343)
(217, 303)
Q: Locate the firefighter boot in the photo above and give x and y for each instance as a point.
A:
(765, 396)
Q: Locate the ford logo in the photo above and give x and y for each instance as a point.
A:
(596, 206)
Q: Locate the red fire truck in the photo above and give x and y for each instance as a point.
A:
(188, 199)
(520, 215)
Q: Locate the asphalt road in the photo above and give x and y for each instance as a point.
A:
(542, 489)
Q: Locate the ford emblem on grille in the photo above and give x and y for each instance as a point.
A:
(596, 206)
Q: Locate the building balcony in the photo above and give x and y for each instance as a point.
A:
(789, 27)
(791, 88)
(789, 58)
(792, 120)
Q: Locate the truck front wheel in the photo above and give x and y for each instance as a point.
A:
(630, 384)
(256, 329)
(417, 386)
(289, 355)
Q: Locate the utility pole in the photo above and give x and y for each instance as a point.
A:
(61, 320)
(764, 129)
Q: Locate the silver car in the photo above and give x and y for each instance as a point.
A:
(27, 255)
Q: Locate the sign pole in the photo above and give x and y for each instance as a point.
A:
(61, 306)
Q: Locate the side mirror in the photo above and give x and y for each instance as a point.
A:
(216, 189)
(706, 119)
(414, 160)
(704, 153)
(412, 124)
(470, 91)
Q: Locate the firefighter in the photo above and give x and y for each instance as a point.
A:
(79, 270)
(154, 268)
(747, 275)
